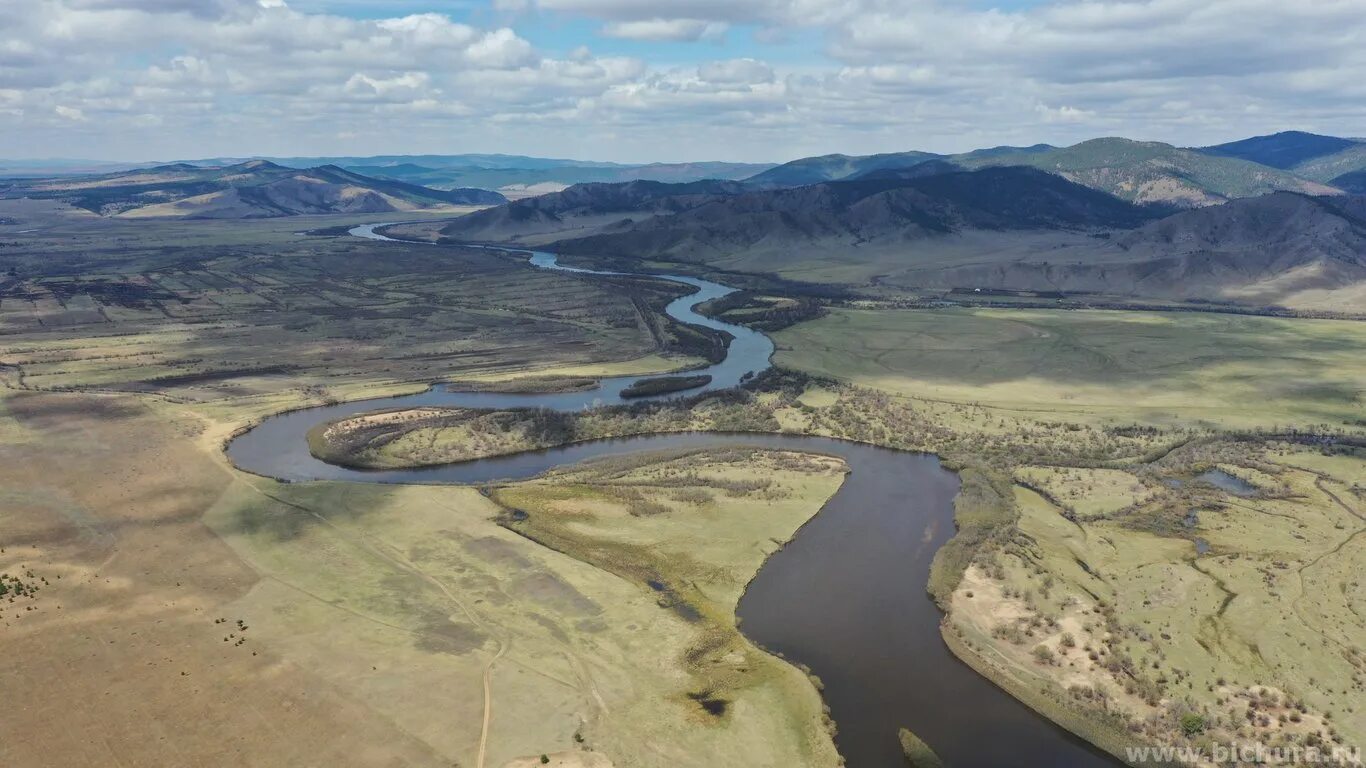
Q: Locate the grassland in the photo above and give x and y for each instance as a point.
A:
(181, 612)
(1191, 616)
(690, 531)
(104, 498)
(197, 615)
(1098, 367)
(1075, 518)
(239, 313)
(593, 610)
(1126, 599)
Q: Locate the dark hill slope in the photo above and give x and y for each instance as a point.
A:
(1008, 227)
(917, 171)
(869, 212)
(1310, 156)
(1280, 249)
(1352, 183)
(1285, 150)
(1282, 225)
(584, 207)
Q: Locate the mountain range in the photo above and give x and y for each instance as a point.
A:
(1029, 219)
(253, 189)
(517, 175)
(690, 222)
(1143, 172)
(1139, 171)
(1273, 219)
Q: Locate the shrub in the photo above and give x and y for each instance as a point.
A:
(1192, 724)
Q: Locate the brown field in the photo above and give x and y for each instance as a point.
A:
(105, 500)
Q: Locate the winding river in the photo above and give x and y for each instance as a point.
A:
(846, 597)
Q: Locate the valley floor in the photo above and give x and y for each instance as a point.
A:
(171, 608)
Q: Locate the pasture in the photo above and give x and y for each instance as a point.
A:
(1176, 369)
(193, 610)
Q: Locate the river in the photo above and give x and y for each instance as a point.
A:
(847, 595)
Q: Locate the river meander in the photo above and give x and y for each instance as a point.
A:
(846, 597)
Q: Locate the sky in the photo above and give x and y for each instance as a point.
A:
(683, 80)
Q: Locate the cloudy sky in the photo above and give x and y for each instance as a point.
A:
(637, 80)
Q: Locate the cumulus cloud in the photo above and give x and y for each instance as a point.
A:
(74, 114)
(677, 30)
(1068, 114)
(205, 77)
(781, 12)
(736, 71)
(407, 83)
(501, 49)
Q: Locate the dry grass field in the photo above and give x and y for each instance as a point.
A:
(172, 610)
(1175, 369)
(185, 613)
(123, 642)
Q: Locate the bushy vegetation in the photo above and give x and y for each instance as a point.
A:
(663, 385)
(918, 753)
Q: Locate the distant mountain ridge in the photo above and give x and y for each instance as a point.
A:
(813, 170)
(1137, 171)
(1153, 172)
(1284, 150)
(1311, 156)
(514, 172)
(254, 189)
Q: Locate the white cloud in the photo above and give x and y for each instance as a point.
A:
(405, 84)
(1067, 114)
(736, 71)
(775, 12)
(501, 49)
(74, 114)
(205, 77)
(677, 30)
